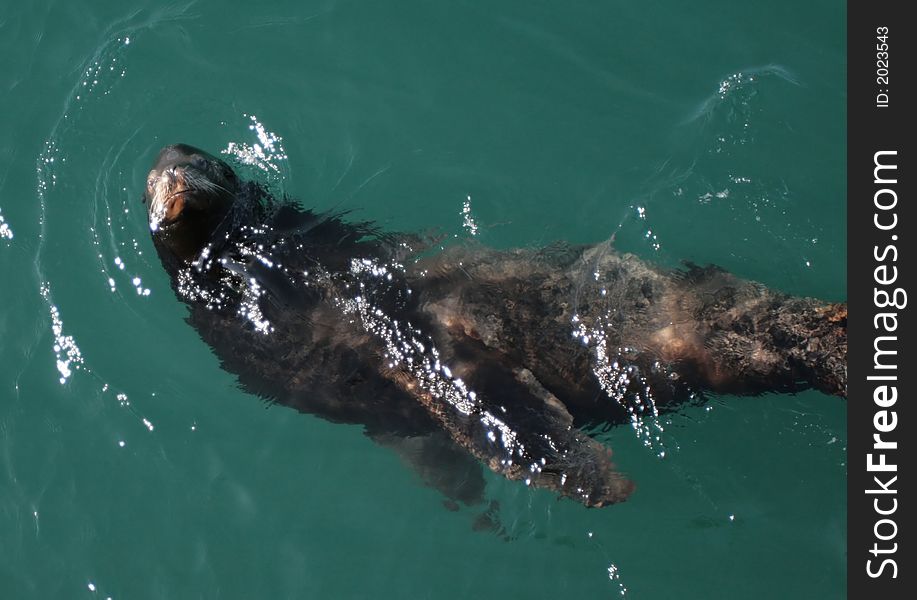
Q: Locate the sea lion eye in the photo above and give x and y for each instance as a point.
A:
(199, 161)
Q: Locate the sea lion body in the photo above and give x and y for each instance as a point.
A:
(496, 355)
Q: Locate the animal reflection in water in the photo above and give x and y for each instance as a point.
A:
(470, 356)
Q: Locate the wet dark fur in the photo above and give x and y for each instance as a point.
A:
(502, 321)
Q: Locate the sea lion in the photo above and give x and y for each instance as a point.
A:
(469, 355)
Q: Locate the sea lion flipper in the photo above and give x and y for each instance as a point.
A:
(439, 463)
(517, 428)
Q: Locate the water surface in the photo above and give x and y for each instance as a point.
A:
(134, 467)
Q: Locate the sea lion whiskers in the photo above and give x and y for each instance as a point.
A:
(174, 189)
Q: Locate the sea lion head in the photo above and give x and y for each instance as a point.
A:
(188, 194)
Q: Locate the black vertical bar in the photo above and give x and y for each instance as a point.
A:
(880, 267)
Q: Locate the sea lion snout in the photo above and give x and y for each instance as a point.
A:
(188, 192)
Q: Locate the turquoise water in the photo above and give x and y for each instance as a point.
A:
(134, 467)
